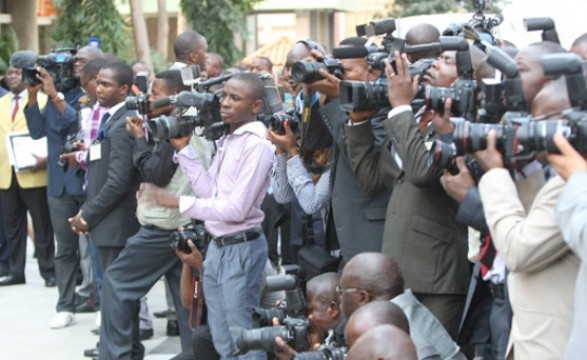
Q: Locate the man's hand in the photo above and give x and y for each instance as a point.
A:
(441, 122)
(161, 197)
(193, 259)
(362, 115)
(180, 142)
(569, 161)
(284, 142)
(490, 158)
(329, 86)
(40, 164)
(70, 159)
(134, 126)
(47, 82)
(401, 88)
(78, 225)
(457, 186)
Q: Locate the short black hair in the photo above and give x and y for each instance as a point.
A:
(254, 83)
(173, 81)
(267, 61)
(122, 72)
(93, 67)
(186, 43)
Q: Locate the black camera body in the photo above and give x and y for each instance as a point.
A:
(139, 103)
(307, 71)
(294, 306)
(293, 331)
(59, 64)
(324, 352)
(462, 94)
(196, 232)
(277, 121)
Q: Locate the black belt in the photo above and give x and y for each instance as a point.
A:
(227, 240)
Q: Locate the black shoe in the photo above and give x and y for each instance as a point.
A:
(13, 279)
(51, 281)
(163, 314)
(145, 334)
(89, 306)
(4, 271)
(96, 331)
(172, 328)
(91, 353)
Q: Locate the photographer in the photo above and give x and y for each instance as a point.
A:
(570, 211)
(65, 195)
(230, 193)
(420, 228)
(147, 255)
(520, 213)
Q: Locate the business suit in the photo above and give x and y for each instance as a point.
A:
(112, 184)
(21, 192)
(359, 217)
(543, 268)
(421, 232)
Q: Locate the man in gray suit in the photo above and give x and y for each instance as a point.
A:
(109, 211)
(420, 229)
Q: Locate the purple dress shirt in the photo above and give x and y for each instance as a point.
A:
(231, 191)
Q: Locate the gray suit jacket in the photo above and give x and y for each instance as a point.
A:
(358, 217)
(112, 184)
(421, 231)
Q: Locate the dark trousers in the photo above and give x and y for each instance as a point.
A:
(4, 252)
(277, 218)
(146, 257)
(448, 309)
(67, 258)
(16, 201)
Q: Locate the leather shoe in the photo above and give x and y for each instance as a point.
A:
(163, 314)
(87, 306)
(91, 353)
(51, 281)
(172, 328)
(95, 331)
(145, 334)
(12, 279)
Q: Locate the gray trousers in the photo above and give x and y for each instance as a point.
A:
(146, 257)
(88, 286)
(66, 259)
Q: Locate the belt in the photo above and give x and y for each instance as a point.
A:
(245, 236)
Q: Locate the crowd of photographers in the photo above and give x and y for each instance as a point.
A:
(417, 199)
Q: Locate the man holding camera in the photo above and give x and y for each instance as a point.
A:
(65, 194)
(230, 195)
(147, 255)
(24, 190)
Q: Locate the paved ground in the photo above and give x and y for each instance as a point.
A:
(25, 311)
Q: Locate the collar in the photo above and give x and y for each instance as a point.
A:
(21, 95)
(254, 127)
(115, 108)
(177, 65)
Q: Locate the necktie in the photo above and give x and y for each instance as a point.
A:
(93, 127)
(15, 110)
(102, 134)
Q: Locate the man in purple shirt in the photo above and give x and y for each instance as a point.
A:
(229, 197)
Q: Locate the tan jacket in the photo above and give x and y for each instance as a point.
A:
(543, 269)
(26, 179)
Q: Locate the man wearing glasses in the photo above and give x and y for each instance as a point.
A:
(65, 194)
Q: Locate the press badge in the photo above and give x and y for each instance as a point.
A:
(95, 152)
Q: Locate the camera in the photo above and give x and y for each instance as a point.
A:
(293, 331)
(294, 306)
(324, 352)
(544, 24)
(462, 95)
(277, 121)
(140, 103)
(59, 64)
(307, 71)
(196, 232)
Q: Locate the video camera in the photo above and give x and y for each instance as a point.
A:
(481, 24)
(140, 103)
(59, 64)
(196, 232)
(544, 24)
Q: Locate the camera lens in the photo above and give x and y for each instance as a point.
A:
(306, 72)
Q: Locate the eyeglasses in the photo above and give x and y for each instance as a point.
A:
(340, 291)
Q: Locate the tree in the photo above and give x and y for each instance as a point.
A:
(24, 22)
(81, 19)
(140, 32)
(404, 8)
(218, 21)
(162, 28)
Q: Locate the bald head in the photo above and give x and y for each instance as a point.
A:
(368, 316)
(579, 46)
(190, 47)
(384, 342)
(422, 34)
(83, 56)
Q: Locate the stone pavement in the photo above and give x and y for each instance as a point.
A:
(25, 311)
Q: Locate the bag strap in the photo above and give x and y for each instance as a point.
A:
(309, 231)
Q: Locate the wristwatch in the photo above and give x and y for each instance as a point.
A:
(59, 97)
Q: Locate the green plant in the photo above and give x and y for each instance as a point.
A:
(218, 21)
(81, 19)
(8, 45)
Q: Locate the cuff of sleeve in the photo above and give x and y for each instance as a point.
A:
(186, 202)
(187, 152)
(393, 112)
(351, 123)
(142, 143)
(80, 156)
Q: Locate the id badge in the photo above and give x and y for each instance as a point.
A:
(95, 152)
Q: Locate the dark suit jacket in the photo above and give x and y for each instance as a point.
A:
(421, 232)
(112, 184)
(358, 217)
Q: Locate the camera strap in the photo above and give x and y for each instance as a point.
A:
(197, 305)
